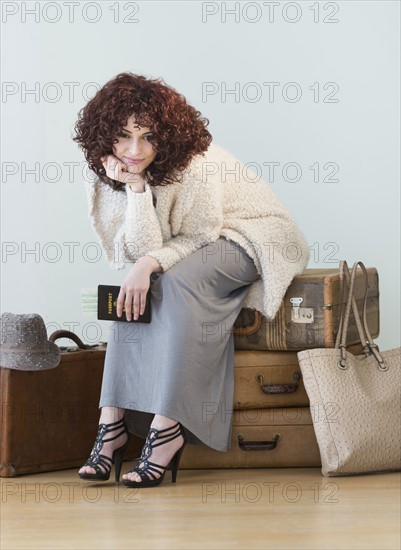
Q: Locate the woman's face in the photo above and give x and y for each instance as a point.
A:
(134, 147)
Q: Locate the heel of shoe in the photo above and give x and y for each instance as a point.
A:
(118, 460)
(175, 462)
(148, 471)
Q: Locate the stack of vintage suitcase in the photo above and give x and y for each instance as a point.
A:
(48, 419)
(272, 417)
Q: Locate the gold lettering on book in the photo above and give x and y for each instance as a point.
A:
(114, 304)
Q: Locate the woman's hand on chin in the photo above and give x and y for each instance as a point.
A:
(117, 170)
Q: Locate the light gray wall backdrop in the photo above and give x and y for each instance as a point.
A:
(310, 86)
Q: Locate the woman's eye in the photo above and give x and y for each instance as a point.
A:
(128, 136)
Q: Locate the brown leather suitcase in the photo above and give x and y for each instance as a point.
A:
(265, 379)
(49, 418)
(309, 314)
(262, 438)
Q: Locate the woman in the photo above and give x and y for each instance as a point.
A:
(206, 238)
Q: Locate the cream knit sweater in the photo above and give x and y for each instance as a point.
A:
(218, 196)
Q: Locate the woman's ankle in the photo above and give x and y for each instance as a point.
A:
(109, 415)
(160, 422)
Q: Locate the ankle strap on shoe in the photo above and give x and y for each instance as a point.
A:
(176, 433)
(106, 428)
(121, 421)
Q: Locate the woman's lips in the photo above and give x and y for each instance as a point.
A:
(132, 161)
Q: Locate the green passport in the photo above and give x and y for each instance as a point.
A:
(107, 306)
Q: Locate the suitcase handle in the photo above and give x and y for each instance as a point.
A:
(68, 334)
(278, 388)
(250, 329)
(257, 445)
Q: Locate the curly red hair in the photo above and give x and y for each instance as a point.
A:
(178, 129)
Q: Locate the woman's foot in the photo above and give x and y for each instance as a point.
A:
(161, 454)
(108, 416)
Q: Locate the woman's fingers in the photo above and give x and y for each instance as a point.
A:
(120, 302)
(134, 307)
(139, 303)
(134, 304)
(112, 166)
(143, 302)
(117, 170)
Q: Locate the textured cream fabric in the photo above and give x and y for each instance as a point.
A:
(356, 412)
(218, 196)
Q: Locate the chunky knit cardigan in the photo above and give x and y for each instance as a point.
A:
(218, 196)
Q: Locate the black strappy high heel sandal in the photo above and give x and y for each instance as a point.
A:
(96, 460)
(148, 470)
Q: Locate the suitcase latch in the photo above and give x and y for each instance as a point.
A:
(300, 314)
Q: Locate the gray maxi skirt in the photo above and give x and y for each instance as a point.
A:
(181, 364)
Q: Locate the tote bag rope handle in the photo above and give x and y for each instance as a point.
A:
(364, 332)
(361, 332)
(367, 338)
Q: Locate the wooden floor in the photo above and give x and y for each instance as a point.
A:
(206, 509)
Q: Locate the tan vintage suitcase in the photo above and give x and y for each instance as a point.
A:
(309, 314)
(281, 408)
(262, 438)
(264, 379)
(49, 418)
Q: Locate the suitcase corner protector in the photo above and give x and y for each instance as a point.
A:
(7, 470)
